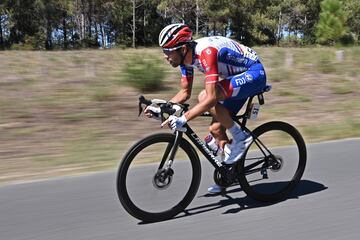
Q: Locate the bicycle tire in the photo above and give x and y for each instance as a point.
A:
(301, 147)
(122, 191)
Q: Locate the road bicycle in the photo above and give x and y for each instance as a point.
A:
(160, 175)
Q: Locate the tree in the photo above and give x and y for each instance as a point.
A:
(26, 21)
(255, 22)
(2, 21)
(312, 11)
(352, 8)
(332, 24)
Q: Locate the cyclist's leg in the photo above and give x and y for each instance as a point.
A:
(242, 86)
(239, 87)
(215, 128)
(219, 133)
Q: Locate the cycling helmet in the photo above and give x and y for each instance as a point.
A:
(175, 35)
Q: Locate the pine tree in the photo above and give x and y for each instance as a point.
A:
(332, 24)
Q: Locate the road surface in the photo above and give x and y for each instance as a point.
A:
(326, 205)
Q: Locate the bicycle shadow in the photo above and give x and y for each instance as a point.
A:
(305, 187)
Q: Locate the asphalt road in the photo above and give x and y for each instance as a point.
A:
(326, 205)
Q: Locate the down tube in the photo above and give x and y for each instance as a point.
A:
(202, 147)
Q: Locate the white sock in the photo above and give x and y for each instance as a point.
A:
(236, 132)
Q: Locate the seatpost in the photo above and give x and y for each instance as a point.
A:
(247, 112)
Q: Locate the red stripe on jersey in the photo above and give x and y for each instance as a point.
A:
(209, 62)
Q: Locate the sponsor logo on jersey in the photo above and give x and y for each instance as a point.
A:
(248, 77)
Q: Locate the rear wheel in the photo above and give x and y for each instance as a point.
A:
(269, 172)
(148, 188)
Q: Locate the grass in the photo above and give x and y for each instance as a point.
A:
(68, 112)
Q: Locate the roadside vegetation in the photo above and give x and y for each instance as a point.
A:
(76, 111)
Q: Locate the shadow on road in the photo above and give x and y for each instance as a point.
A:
(305, 187)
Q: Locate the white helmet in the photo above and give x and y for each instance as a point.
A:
(175, 35)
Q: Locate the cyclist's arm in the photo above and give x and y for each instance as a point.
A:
(184, 94)
(209, 62)
(205, 105)
(187, 75)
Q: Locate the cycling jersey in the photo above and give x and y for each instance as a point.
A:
(233, 67)
(219, 58)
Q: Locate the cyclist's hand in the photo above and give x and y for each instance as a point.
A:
(177, 123)
(153, 112)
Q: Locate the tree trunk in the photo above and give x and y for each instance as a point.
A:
(197, 18)
(144, 24)
(48, 43)
(102, 35)
(214, 28)
(96, 34)
(83, 27)
(1, 34)
(89, 27)
(134, 25)
(65, 30)
(279, 30)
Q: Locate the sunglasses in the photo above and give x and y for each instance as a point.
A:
(168, 51)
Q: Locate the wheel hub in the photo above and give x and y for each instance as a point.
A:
(163, 178)
(276, 163)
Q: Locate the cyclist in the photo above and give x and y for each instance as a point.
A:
(233, 72)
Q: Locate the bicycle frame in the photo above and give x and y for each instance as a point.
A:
(199, 143)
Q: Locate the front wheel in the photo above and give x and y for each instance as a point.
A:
(152, 188)
(274, 162)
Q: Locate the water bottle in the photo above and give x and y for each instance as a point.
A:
(212, 144)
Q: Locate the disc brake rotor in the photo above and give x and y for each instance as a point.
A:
(163, 178)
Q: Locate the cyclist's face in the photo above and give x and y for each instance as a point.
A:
(173, 57)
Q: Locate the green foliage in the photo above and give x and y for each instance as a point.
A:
(144, 73)
(70, 24)
(291, 41)
(332, 24)
(35, 42)
(352, 8)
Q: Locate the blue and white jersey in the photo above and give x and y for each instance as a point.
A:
(219, 58)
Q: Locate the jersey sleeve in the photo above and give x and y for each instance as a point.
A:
(187, 74)
(209, 62)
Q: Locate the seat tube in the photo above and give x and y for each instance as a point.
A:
(247, 113)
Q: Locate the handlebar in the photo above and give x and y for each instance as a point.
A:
(165, 107)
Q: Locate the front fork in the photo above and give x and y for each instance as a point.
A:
(170, 151)
(163, 177)
(169, 155)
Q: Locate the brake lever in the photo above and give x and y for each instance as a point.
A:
(140, 109)
(142, 100)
